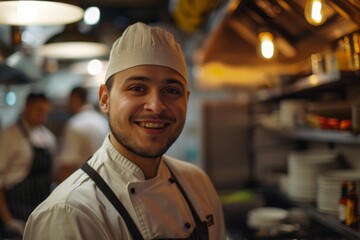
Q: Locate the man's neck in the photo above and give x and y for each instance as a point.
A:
(149, 166)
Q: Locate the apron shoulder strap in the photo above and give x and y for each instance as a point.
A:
(183, 192)
(110, 195)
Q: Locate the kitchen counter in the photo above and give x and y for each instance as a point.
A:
(321, 227)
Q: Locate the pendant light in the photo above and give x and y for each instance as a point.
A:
(25, 13)
(315, 12)
(71, 44)
(266, 47)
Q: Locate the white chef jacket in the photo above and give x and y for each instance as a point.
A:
(16, 152)
(84, 134)
(77, 209)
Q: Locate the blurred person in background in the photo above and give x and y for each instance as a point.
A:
(84, 133)
(27, 167)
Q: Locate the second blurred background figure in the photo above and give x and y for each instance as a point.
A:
(83, 135)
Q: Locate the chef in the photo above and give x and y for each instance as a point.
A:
(129, 189)
(26, 164)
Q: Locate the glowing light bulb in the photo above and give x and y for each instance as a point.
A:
(92, 15)
(94, 67)
(266, 45)
(10, 98)
(315, 13)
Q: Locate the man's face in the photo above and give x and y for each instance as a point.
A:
(146, 108)
(37, 112)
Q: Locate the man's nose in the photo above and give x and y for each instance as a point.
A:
(155, 103)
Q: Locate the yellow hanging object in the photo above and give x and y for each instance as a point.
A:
(189, 14)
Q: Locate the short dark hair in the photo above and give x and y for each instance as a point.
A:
(109, 83)
(36, 96)
(80, 92)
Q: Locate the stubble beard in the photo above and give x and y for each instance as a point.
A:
(130, 143)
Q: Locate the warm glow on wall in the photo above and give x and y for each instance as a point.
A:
(215, 75)
(266, 45)
(315, 12)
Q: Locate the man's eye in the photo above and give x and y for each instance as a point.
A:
(136, 89)
(173, 91)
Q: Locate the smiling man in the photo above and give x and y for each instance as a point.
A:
(129, 189)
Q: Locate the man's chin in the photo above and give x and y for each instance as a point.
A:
(150, 154)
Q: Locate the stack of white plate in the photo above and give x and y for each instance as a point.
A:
(265, 217)
(304, 169)
(329, 185)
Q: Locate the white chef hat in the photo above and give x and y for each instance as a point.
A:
(141, 44)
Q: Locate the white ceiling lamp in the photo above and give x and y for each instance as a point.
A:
(25, 13)
(73, 50)
(71, 44)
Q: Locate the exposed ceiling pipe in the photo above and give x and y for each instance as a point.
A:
(347, 9)
(248, 34)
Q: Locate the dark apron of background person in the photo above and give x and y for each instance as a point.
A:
(25, 196)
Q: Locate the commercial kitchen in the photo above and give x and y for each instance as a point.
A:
(274, 111)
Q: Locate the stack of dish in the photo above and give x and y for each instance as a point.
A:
(304, 169)
(329, 189)
(265, 217)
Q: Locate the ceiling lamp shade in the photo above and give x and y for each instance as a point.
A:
(73, 50)
(72, 44)
(24, 13)
(10, 76)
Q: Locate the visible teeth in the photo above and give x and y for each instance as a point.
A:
(152, 125)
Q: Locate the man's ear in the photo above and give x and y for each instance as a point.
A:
(104, 98)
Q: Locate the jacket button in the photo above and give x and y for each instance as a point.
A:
(132, 190)
(187, 225)
(172, 180)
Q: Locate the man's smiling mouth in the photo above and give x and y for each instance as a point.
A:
(152, 125)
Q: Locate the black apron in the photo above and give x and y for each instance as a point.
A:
(25, 196)
(200, 231)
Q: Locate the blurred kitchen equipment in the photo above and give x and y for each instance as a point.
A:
(265, 217)
(329, 188)
(352, 49)
(355, 117)
(352, 217)
(298, 216)
(237, 204)
(289, 110)
(304, 169)
(324, 62)
(317, 63)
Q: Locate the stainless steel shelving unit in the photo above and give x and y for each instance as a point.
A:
(330, 222)
(309, 84)
(320, 135)
(306, 83)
